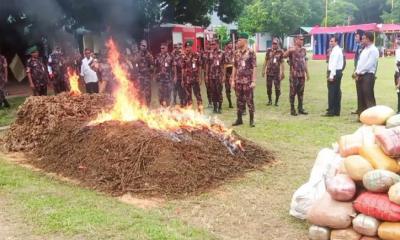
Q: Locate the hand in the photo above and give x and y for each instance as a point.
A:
(330, 79)
(282, 76)
(253, 84)
(6, 80)
(32, 85)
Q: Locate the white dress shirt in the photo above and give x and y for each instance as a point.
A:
(335, 61)
(368, 60)
(87, 72)
(397, 58)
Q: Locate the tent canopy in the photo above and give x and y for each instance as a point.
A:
(370, 27)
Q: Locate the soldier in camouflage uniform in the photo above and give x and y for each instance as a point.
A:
(244, 79)
(203, 54)
(36, 71)
(166, 74)
(229, 55)
(177, 54)
(57, 70)
(3, 81)
(191, 70)
(274, 70)
(215, 60)
(298, 74)
(144, 63)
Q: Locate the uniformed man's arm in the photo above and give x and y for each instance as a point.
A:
(282, 72)
(264, 69)
(254, 63)
(306, 70)
(29, 74)
(233, 76)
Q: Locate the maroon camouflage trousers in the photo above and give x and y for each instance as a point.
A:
(228, 82)
(297, 88)
(208, 84)
(189, 86)
(216, 89)
(244, 95)
(145, 89)
(164, 92)
(273, 80)
(59, 84)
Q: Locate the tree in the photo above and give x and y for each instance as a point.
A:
(392, 15)
(369, 11)
(279, 17)
(222, 33)
(340, 12)
(317, 13)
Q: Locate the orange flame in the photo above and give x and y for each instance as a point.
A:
(73, 79)
(127, 107)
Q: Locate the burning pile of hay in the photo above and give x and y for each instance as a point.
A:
(119, 146)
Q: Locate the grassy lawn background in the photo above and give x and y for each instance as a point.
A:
(255, 207)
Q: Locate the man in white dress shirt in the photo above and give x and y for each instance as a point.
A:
(88, 74)
(335, 68)
(397, 74)
(366, 70)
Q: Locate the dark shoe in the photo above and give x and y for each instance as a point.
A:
(239, 120)
(215, 108)
(293, 112)
(219, 110)
(301, 111)
(269, 103)
(276, 104)
(252, 120)
(354, 112)
(328, 115)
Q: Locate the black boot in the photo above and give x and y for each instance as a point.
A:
(301, 109)
(215, 107)
(292, 110)
(277, 94)
(252, 119)
(239, 120)
(219, 110)
(269, 100)
(6, 104)
(230, 102)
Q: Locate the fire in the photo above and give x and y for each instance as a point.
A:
(127, 107)
(73, 79)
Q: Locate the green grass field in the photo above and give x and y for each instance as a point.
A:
(254, 207)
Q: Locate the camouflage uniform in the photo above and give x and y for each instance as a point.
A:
(273, 60)
(3, 65)
(178, 90)
(245, 62)
(203, 56)
(106, 76)
(58, 69)
(39, 76)
(144, 63)
(229, 55)
(191, 66)
(297, 62)
(215, 64)
(164, 64)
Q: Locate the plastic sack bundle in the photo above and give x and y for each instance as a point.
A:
(394, 193)
(325, 165)
(369, 238)
(380, 180)
(377, 115)
(378, 159)
(389, 231)
(341, 187)
(327, 212)
(393, 121)
(357, 166)
(366, 225)
(389, 140)
(377, 205)
(352, 143)
(319, 233)
(345, 234)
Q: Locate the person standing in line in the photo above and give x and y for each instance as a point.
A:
(36, 72)
(89, 75)
(298, 74)
(229, 55)
(165, 71)
(244, 78)
(274, 70)
(3, 81)
(397, 75)
(359, 48)
(366, 70)
(335, 68)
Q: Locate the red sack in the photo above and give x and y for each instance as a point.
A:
(377, 205)
(389, 140)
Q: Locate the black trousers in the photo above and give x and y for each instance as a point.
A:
(359, 100)
(335, 93)
(398, 102)
(40, 90)
(92, 87)
(367, 95)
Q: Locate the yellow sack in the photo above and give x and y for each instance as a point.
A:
(394, 193)
(389, 231)
(345, 234)
(378, 159)
(357, 166)
(376, 115)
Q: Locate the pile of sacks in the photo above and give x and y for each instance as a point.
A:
(354, 189)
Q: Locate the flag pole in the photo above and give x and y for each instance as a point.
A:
(326, 13)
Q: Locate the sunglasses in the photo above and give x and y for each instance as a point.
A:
(274, 43)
